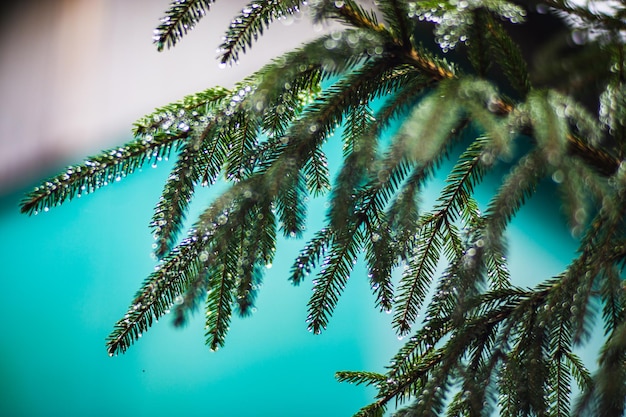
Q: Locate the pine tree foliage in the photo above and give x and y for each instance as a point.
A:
(476, 342)
(181, 17)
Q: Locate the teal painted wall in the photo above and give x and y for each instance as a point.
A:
(70, 273)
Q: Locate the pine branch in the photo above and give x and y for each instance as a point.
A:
(291, 206)
(181, 17)
(170, 212)
(332, 280)
(299, 92)
(332, 54)
(242, 140)
(466, 174)
(353, 173)
(412, 84)
(416, 279)
(156, 296)
(579, 371)
(498, 273)
(232, 234)
(426, 131)
(613, 299)
(358, 126)
(388, 242)
(348, 12)
(193, 165)
(311, 255)
(410, 383)
(508, 56)
(418, 346)
(402, 214)
(517, 187)
(397, 17)
(478, 46)
(183, 114)
(100, 170)
(612, 395)
(613, 110)
(576, 202)
(316, 173)
(219, 302)
(559, 373)
(182, 269)
(549, 129)
(360, 377)
(379, 254)
(249, 25)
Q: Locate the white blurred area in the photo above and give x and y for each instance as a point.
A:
(75, 75)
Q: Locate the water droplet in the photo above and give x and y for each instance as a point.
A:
(558, 176)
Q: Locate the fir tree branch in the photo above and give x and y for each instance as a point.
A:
(333, 278)
(291, 206)
(316, 173)
(613, 295)
(181, 17)
(183, 114)
(360, 377)
(416, 279)
(508, 56)
(193, 163)
(156, 296)
(379, 254)
(100, 170)
(397, 17)
(478, 47)
(348, 12)
(297, 93)
(219, 302)
(170, 212)
(242, 140)
(249, 25)
(310, 256)
(559, 373)
(518, 185)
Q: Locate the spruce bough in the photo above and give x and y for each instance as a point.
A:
(455, 77)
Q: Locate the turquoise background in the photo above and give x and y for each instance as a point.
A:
(69, 275)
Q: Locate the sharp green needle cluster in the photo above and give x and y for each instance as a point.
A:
(454, 74)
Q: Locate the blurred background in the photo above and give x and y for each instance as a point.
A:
(74, 76)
